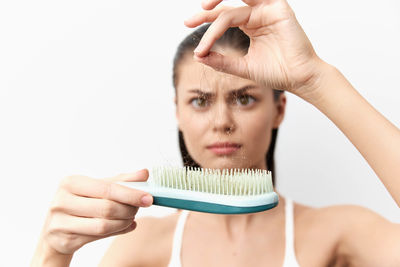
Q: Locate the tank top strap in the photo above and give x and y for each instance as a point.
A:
(290, 256)
(175, 260)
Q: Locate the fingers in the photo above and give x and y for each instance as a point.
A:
(95, 188)
(233, 65)
(65, 223)
(222, 18)
(63, 232)
(206, 16)
(210, 4)
(225, 19)
(139, 176)
(68, 203)
(124, 231)
(87, 209)
(253, 2)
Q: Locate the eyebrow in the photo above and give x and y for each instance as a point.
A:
(231, 92)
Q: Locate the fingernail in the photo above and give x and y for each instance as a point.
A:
(147, 200)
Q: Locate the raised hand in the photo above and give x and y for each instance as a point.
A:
(280, 55)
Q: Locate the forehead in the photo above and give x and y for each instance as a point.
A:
(193, 74)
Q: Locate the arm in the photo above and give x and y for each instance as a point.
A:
(376, 138)
(281, 57)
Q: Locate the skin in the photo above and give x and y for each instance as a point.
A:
(322, 237)
(280, 56)
(84, 210)
(213, 107)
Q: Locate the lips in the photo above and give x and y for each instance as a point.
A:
(224, 148)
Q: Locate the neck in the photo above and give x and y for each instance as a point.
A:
(235, 226)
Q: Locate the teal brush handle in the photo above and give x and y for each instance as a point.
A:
(206, 202)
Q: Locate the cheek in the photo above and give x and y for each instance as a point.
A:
(193, 126)
(256, 130)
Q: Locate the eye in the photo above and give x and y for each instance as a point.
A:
(244, 100)
(199, 102)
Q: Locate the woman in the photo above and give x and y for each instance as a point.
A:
(228, 114)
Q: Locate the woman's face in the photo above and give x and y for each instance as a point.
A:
(226, 121)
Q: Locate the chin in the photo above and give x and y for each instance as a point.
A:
(226, 163)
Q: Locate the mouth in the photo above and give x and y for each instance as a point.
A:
(224, 148)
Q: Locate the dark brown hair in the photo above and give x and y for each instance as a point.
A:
(233, 38)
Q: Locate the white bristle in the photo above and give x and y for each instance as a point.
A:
(243, 182)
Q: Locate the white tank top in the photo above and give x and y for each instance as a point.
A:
(290, 257)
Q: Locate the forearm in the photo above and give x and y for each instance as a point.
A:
(46, 256)
(376, 138)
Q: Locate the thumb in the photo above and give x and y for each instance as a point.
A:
(232, 65)
(138, 176)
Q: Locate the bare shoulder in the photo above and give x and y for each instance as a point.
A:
(150, 244)
(342, 214)
(348, 216)
(350, 233)
(368, 239)
(340, 219)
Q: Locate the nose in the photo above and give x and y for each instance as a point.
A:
(223, 120)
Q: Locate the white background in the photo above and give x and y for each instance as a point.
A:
(85, 88)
